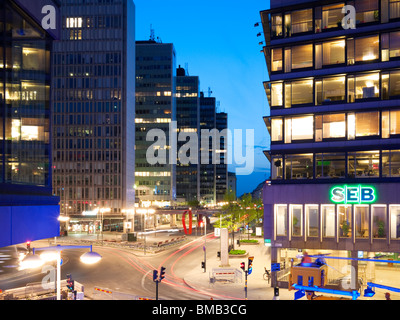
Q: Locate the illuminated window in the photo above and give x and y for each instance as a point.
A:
(344, 220)
(332, 16)
(361, 215)
(312, 218)
(302, 56)
(333, 125)
(276, 59)
(302, 21)
(277, 167)
(391, 163)
(363, 164)
(281, 219)
(394, 221)
(276, 129)
(394, 84)
(330, 165)
(276, 94)
(367, 86)
(276, 22)
(299, 166)
(328, 221)
(333, 52)
(302, 92)
(73, 23)
(394, 9)
(367, 11)
(367, 48)
(302, 128)
(333, 89)
(379, 223)
(367, 124)
(296, 213)
(395, 122)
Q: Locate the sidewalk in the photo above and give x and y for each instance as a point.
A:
(257, 287)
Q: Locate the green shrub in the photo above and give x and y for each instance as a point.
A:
(237, 252)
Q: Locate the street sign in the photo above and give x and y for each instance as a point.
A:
(299, 294)
(275, 267)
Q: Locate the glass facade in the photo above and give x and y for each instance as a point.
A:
(25, 100)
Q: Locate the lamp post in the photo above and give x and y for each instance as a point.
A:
(54, 253)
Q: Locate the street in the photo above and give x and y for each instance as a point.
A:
(124, 273)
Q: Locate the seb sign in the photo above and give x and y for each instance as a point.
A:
(353, 194)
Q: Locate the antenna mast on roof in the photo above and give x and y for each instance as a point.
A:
(152, 36)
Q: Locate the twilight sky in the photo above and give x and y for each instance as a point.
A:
(219, 43)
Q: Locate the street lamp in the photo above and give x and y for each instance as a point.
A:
(54, 253)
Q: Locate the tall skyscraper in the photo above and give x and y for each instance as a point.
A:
(188, 121)
(155, 109)
(335, 124)
(214, 174)
(221, 169)
(28, 211)
(94, 113)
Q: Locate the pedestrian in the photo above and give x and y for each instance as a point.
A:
(387, 296)
(306, 258)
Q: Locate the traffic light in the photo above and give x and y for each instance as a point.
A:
(70, 283)
(155, 275)
(162, 274)
(28, 246)
(250, 270)
(203, 265)
(242, 266)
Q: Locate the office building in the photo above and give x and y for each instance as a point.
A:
(155, 109)
(188, 122)
(221, 169)
(232, 183)
(28, 211)
(214, 172)
(94, 114)
(334, 124)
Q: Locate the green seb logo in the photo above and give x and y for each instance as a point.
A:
(353, 194)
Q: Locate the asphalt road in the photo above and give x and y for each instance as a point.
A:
(122, 272)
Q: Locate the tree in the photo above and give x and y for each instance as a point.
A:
(229, 217)
(235, 212)
(251, 210)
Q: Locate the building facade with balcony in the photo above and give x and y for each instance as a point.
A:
(334, 124)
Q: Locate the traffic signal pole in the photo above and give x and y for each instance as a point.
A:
(245, 284)
(157, 279)
(246, 273)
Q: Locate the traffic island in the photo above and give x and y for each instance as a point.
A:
(249, 242)
(238, 254)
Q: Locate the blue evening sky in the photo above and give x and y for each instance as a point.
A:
(218, 41)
